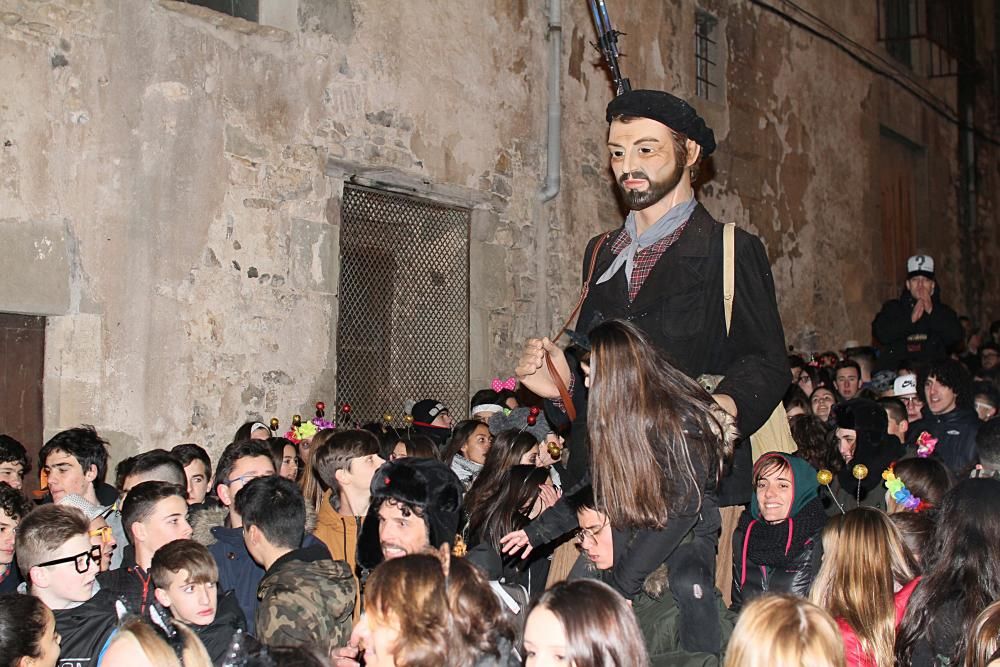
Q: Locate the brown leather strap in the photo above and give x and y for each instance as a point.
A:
(564, 395)
(586, 287)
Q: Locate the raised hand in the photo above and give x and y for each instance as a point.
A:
(533, 372)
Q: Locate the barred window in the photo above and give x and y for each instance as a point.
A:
(706, 56)
(403, 326)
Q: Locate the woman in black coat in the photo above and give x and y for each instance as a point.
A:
(776, 546)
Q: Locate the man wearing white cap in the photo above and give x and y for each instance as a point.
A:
(905, 389)
(916, 327)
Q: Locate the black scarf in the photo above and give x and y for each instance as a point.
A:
(767, 541)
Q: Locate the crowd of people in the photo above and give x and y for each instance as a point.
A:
(473, 543)
(625, 500)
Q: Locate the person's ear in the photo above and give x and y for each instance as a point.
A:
(91, 474)
(343, 477)
(222, 491)
(693, 152)
(252, 535)
(39, 576)
(137, 532)
(162, 597)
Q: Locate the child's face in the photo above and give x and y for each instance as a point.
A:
(198, 480)
(62, 586)
(193, 603)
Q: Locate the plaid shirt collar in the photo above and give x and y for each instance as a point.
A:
(645, 258)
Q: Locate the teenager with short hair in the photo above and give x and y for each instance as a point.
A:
(847, 378)
(197, 470)
(654, 608)
(988, 450)
(155, 465)
(949, 417)
(345, 463)
(221, 528)
(102, 533)
(306, 598)
(153, 514)
(60, 566)
(895, 411)
(187, 582)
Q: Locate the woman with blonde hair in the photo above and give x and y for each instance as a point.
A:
(139, 644)
(778, 630)
(865, 583)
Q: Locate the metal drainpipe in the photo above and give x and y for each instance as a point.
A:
(553, 144)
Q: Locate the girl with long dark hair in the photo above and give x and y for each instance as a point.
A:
(508, 506)
(657, 443)
(961, 577)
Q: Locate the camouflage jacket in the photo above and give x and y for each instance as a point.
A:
(306, 598)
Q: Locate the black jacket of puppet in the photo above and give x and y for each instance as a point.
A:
(680, 308)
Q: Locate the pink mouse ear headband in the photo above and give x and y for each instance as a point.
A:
(498, 385)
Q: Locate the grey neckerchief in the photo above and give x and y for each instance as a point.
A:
(661, 229)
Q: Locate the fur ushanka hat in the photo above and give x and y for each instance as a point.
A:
(426, 484)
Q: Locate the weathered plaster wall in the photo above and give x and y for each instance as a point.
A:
(166, 187)
(170, 181)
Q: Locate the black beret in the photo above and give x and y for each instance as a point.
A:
(664, 108)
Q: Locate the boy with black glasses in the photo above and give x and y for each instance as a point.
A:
(60, 565)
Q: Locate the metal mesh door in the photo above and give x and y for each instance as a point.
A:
(403, 330)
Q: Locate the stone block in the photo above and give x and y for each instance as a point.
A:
(37, 274)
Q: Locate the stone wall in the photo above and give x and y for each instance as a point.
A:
(170, 181)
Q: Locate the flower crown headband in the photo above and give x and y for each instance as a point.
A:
(902, 495)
